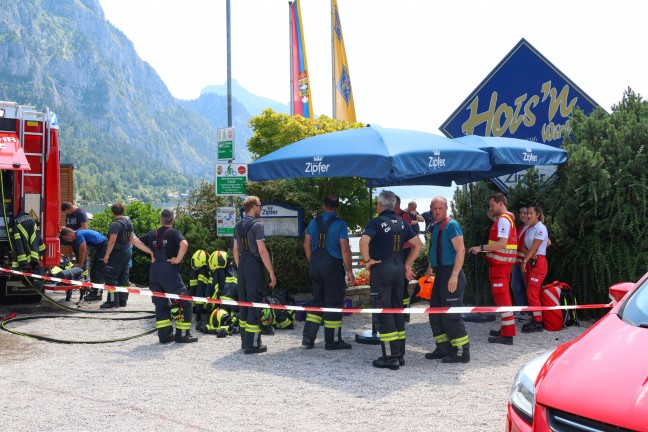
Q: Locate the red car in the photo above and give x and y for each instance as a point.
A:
(597, 382)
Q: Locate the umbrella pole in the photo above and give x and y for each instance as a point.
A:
(370, 203)
(474, 241)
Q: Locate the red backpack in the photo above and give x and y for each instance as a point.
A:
(550, 296)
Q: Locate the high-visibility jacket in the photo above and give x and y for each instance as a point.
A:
(507, 255)
(520, 243)
(28, 247)
(199, 279)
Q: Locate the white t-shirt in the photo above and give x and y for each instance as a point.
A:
(503, 227)
(537, 232)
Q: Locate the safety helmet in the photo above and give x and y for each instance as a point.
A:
(199, 259)
(267, 317)
(220, 322)
(217, 260)
(223, 317)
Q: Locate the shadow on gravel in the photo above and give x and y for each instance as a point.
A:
(351, 371)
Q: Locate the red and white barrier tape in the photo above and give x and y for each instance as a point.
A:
(411, 310)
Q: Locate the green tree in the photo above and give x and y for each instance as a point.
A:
(273, 131)
(595, 211)
(145, 218)
(601, 226)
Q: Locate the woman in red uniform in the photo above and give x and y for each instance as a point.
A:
(534, 264)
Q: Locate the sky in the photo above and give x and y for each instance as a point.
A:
(411, 62)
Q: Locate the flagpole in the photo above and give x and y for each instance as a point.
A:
(332, 62)
(290, 52)
(229, 65)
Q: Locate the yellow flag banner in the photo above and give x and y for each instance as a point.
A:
(343, 105)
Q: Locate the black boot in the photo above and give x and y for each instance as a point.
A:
(401, 358)
(532, 327)
(203, 320)
(458, 355)
(441, 350)
(186, 338)
(389, 359)
(307, 343)
(310, 333)
(166, 335)
(109, 304)
(93, 295)
(253, 343)
(122, 299)
(387, 362)
(331, 344)
(110, 301)
(242, 337)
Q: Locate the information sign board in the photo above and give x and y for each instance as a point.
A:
(225, 143)
(230, 179)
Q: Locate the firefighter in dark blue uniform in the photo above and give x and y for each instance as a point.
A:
(251, 256)
(118, 254)
(167, 246)
(327, 248)
(380, 246)
(447, 253)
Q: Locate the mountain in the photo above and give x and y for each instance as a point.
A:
(119, 125)
(253, 104)
(211, 105)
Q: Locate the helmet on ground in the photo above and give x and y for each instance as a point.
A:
(220, 322)
(267, 317)
(199, 259)
(218, 260)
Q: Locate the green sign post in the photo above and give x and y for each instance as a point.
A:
(230, 179)
(225, 143)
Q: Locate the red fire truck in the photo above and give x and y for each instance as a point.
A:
(30, 183)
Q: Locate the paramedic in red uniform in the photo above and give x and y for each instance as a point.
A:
(501, 253)
(534, 265)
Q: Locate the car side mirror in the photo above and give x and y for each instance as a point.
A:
(618, 291)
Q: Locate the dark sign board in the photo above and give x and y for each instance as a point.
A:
(524, 97)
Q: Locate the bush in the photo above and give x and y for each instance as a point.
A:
(145, 218)
(290, 264)
(421, 263)
(199, 237)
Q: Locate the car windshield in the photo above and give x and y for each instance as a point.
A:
(635, 309)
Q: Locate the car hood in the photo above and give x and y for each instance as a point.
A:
(603, 375)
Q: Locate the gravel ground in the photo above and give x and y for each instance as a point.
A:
(210, 385)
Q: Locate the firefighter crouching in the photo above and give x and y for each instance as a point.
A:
(199, 281)
(380, 245)
(167, 246)
(220, 320)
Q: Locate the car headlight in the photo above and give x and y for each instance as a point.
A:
(523, 389)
